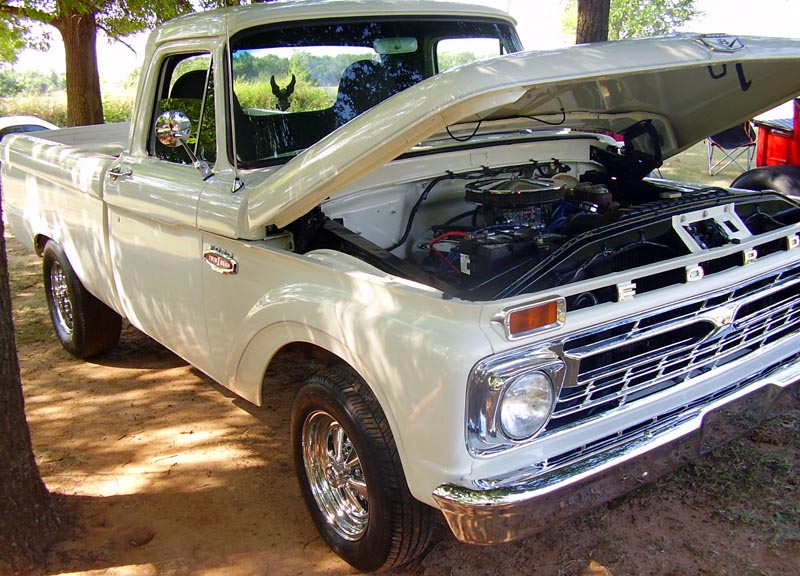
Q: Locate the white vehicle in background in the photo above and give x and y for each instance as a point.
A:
(23, 124)
(504, 318)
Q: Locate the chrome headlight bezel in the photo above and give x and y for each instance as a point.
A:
(488, 383)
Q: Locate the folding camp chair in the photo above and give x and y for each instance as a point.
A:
(736, 145)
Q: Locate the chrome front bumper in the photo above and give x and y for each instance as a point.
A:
(512, 512)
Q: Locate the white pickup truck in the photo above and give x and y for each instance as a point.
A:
(505, 317)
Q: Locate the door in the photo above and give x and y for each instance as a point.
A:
(155, 246)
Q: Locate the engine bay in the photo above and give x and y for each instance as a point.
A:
(524, 216)
(502, 231)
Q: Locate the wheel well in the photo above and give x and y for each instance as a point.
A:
(39, 242)
(291, 365)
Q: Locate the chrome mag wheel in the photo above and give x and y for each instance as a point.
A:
(335, 475)
(59, 290)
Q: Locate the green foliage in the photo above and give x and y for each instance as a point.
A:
(316, 79)
(53, 107)
(12, 40)
(447, 60)
(9, 86)
(30, 82)
(259, 95)
(131, 81)
(116, 18)
(637, 19)
(118, 107)
(250, 68)
(569, 18)
(309, 69)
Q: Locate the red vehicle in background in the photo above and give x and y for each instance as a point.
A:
(777, 156)
(779, 140)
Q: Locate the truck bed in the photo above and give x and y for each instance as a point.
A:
(53, 189)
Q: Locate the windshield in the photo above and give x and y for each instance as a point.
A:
(294, 85)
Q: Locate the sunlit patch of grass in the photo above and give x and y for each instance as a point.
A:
(117, 106)
(32, 324)
(740, 478)
(692, 166)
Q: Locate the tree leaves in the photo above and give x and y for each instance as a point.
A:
(11, 41)
(116, 18)
(634, 19)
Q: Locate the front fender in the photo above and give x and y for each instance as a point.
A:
(250, 373)
(413, 350)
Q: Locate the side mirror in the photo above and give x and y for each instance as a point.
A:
(173, 128)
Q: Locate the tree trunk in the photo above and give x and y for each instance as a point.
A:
(28, 518)
(79, 32)
(592, 21)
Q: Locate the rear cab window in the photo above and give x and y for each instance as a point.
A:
(454, 52)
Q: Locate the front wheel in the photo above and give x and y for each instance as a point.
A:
(350, 474)
(84, 325)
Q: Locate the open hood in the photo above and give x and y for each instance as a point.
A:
(689, 86)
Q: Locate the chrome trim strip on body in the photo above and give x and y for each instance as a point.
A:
(507, 513)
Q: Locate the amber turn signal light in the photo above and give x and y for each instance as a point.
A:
(523, 321)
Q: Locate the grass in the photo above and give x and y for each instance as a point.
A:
(692, 166)
(117, 106)
(753, 481)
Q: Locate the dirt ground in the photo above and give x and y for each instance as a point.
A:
(162, 471)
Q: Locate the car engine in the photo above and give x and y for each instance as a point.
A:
(514, 218)
(501, 231)
(530, 232)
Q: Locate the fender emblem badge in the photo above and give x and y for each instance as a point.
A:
(220, 260)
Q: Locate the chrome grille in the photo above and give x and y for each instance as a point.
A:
(625, 363)
(655, 425)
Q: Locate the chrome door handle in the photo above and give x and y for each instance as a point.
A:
(120, 171)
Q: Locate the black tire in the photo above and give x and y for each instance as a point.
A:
(381, 525)
(84, 325)
(784, 179)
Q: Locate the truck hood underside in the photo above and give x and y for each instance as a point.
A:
(689, 87)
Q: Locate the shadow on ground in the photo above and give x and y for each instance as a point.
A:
(162, 471)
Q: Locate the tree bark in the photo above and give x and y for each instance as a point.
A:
(79, 32)
(592, 21)
(29, 520)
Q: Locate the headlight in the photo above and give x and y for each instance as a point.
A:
(511, 397)
(526, 405)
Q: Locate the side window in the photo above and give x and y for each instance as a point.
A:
(452, 52)
(187, 86)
